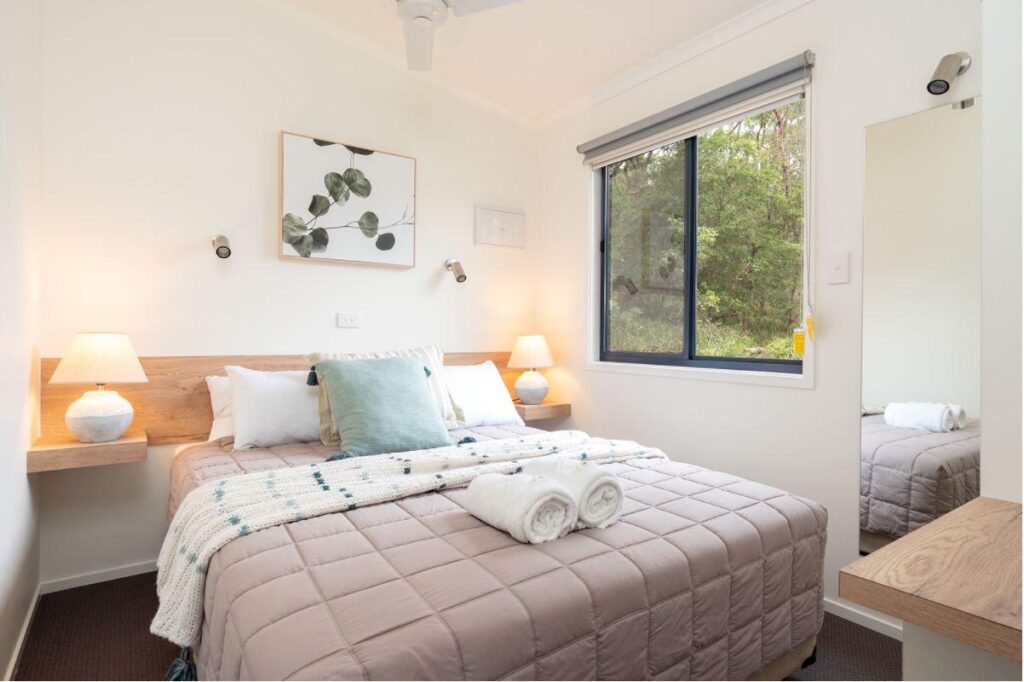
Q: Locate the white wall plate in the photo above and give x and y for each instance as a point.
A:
(500, 227)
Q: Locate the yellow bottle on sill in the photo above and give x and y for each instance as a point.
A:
(798, 342)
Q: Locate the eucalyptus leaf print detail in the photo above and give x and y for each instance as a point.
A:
(303, 246)
(369, 223)
(313, 242)
(294, 228)
(357, 182)
(320, 239)
(319, 205)
(336, 187)
(358, 150)
(386, 241)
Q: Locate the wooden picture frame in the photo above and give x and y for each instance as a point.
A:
(336, 180)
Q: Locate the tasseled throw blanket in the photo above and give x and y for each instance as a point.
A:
(217, 513)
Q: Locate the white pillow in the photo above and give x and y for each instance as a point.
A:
(272, 408)
(479, 395)
(222, 427)
(430, 356)
(220, 395)
(220, 403)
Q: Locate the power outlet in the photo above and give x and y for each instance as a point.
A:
(347, 320)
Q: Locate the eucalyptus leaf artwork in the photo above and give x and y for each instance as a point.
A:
(346, 203)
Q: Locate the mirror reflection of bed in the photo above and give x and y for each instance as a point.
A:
(920, 432)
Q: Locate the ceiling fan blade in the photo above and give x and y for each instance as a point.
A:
(419, 45)
(464, 7)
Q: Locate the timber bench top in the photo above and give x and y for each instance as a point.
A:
(959, 576)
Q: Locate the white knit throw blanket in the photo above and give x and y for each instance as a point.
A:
(214, 514)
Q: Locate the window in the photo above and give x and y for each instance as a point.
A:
(702, 246)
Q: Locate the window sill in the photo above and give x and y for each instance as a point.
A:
(732, 376)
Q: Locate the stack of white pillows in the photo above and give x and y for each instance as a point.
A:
(264, 409)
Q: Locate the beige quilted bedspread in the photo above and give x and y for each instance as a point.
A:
(707, 576)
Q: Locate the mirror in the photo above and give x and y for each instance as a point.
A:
(921, 370)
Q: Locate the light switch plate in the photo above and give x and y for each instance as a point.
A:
(838, 268)
(347, 320)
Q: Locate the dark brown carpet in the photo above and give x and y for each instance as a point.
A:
(847, 651)
(96, 632)
(101, 632)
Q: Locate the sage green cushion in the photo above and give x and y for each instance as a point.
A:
(382, 405)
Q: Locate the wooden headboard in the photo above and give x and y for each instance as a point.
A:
(174, 407)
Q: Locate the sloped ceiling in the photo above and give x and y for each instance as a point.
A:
(534, 57)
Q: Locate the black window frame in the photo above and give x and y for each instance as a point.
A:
(689, 356)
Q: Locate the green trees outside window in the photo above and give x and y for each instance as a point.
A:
(734, 289)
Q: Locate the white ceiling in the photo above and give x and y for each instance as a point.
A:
(536, 56)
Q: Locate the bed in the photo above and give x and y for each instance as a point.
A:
(910, 477)
(707, 576)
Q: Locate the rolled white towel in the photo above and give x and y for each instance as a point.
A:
(597, 492)
(529, 508)
(937, 417)
(959, 416)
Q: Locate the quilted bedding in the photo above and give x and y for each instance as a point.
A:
(707, 576)
(910, 477)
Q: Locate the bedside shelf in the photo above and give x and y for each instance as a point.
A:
(64, 452)
(532, 413)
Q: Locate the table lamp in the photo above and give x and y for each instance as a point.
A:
(99, 358)
(531, 353)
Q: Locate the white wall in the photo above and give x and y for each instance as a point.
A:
(161, 128)
(873, 60)
(20, 149)
(922, 259)
(1001, 250)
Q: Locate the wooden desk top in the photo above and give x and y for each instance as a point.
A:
(959, 576)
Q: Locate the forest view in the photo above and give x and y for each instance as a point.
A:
(750, 177)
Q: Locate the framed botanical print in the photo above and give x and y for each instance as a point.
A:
(346, 204)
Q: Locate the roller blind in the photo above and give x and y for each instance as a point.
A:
(759, 90)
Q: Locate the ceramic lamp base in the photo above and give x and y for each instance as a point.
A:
(531, 387)
(99, 416)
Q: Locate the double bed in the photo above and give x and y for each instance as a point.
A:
(910, 477)
(706, 576)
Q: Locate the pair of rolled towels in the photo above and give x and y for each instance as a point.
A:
(550, 497)
(936, 417)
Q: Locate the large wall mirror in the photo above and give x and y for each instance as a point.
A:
(920, 432)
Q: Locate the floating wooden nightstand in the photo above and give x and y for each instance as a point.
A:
(532, 413)
(64, 452)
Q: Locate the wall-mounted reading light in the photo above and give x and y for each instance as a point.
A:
(951, 66)
(221, 246)
(457, 269)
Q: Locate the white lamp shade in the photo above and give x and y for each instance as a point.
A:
(531, 352)
(99, 358)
